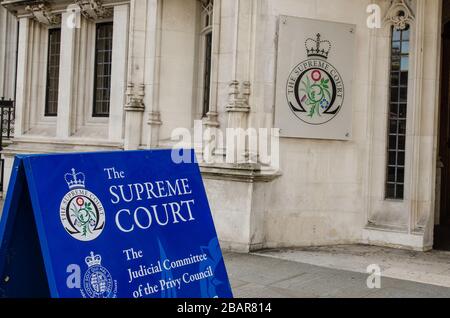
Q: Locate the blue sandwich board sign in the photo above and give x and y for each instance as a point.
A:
(105, 225)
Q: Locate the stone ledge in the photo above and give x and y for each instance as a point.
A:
(386, 237)
(31, 146)
(248, 173)
(239, 247)
(386, 228)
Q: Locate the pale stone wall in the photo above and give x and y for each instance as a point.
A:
(178, 65)
(320, 197)
(326, 192)
(332, 192)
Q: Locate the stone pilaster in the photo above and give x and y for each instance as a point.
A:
(118, 73)
(135, 107)
(8, 47)
(211, 120)
(152, 72)
(22, 75)
(66, 79)
(238, 109)
(238, 106)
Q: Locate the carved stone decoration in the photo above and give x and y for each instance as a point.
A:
(239, 97)
(154, 118)
(399, 14)
(93, 9)
(135, 99)
(212, 119)
(41, 13)
(238, 109)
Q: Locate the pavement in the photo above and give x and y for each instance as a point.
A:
(431, 267)
(337, 272)
(270, 274)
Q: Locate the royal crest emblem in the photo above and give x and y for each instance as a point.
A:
(81, 212)
(315, 89)
(97, 281)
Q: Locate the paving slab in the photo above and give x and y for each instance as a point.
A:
(255, 276)
(424, 267)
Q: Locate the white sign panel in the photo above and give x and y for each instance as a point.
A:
(314, 79)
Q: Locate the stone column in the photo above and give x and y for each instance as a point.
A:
(3, 32)
(152, 71)
(135, 107)
(22, 75)
(424, 118)
(242, 226)
(8, 46)
(238, 107)
(66, 78)
(118, 72)
(211, 120)
(133, 116)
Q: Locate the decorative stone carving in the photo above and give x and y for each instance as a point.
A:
(212, 119)
(239, 97)
(399, 14)
(93, 9)
(238, 109)
(41, 13)
(154, 118)
(135, 99)
(207, 13)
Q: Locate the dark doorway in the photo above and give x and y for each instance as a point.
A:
(442, 229)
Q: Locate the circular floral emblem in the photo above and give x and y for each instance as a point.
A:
(315, 91)
(82, 215)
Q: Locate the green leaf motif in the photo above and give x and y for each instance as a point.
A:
(316, 93)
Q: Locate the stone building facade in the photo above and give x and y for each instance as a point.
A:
(132, 71)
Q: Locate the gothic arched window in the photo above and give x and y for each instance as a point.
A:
(399, 16)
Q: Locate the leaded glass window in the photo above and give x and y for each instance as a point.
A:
(398, 103)
(52, 85)
(103, 61)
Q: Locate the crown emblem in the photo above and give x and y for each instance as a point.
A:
(318, 47)
(75, 180)
(93, 260)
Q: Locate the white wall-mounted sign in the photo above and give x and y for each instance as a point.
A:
(314, 79)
